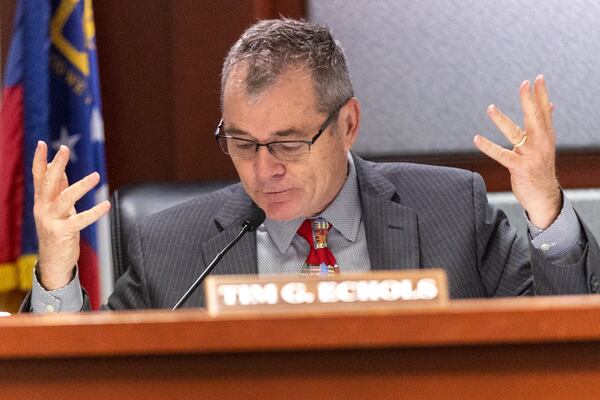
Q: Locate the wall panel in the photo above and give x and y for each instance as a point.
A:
(160, 65)
(426, 71)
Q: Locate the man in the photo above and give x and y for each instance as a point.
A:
(289, 121)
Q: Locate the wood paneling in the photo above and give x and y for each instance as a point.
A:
(201, 34)
(160, 64)
(133, 51)
(7, 12)
(530, 348)
(265, 9)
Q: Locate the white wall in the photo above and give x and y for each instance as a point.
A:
(426, 70)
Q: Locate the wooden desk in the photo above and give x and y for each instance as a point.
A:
(525, 348)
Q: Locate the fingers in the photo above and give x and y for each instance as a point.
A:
(537, 112)
(85, 218)
(39, 167)
(531, 161)
(58, 224)
(64, 182)
(68, 196)
(509, 129)
(541, 94)
(501, 155)
(50, 184)
(535, 123)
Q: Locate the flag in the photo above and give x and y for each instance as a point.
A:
(51, 92)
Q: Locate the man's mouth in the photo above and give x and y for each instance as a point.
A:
(276, 191)
(275, 194)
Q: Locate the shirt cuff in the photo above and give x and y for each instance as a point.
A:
(563, 240)
(67, 298)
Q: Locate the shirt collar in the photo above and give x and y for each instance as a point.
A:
(344, 213)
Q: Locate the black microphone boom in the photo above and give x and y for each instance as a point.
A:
(252, 221)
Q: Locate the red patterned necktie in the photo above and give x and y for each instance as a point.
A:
(320, 260)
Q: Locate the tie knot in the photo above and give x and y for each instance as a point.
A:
(315, 231)
(320, 260)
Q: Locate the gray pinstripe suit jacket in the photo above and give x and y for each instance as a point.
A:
(415, 216)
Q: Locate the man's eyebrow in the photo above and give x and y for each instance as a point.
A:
(288, 132)
(231, 130)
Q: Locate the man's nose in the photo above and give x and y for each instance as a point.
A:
(266, 165)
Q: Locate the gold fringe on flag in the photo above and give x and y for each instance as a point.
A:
(8, 277)
(17, 275)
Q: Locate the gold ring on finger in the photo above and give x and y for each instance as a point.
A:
(521, 142)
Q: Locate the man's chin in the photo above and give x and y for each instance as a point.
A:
(280, 212)
(282, 206)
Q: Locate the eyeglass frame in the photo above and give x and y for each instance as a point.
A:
(310, 142)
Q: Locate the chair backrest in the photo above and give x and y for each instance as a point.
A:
(133, 203)
(585, 201)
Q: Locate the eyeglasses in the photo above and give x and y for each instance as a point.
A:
(283, 150)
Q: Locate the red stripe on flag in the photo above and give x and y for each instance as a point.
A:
(11, 173)
(88, 273)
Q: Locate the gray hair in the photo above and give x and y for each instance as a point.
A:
(268, 48)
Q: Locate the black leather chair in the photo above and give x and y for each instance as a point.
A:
(134, 202)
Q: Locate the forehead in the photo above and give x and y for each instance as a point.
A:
(289, 100)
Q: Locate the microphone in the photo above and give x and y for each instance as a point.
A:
(255, 217)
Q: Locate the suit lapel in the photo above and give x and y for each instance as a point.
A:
(241, 259)
(392, 229)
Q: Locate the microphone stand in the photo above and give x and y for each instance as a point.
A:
(245, 228)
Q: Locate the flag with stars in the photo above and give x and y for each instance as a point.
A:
(52, 93)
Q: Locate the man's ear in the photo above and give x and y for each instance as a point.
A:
(349, 121)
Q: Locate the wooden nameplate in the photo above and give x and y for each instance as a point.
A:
(286, 293)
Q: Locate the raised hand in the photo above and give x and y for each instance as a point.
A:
(531, 161)
(57, 223)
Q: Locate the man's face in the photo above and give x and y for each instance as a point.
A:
(287, 110)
